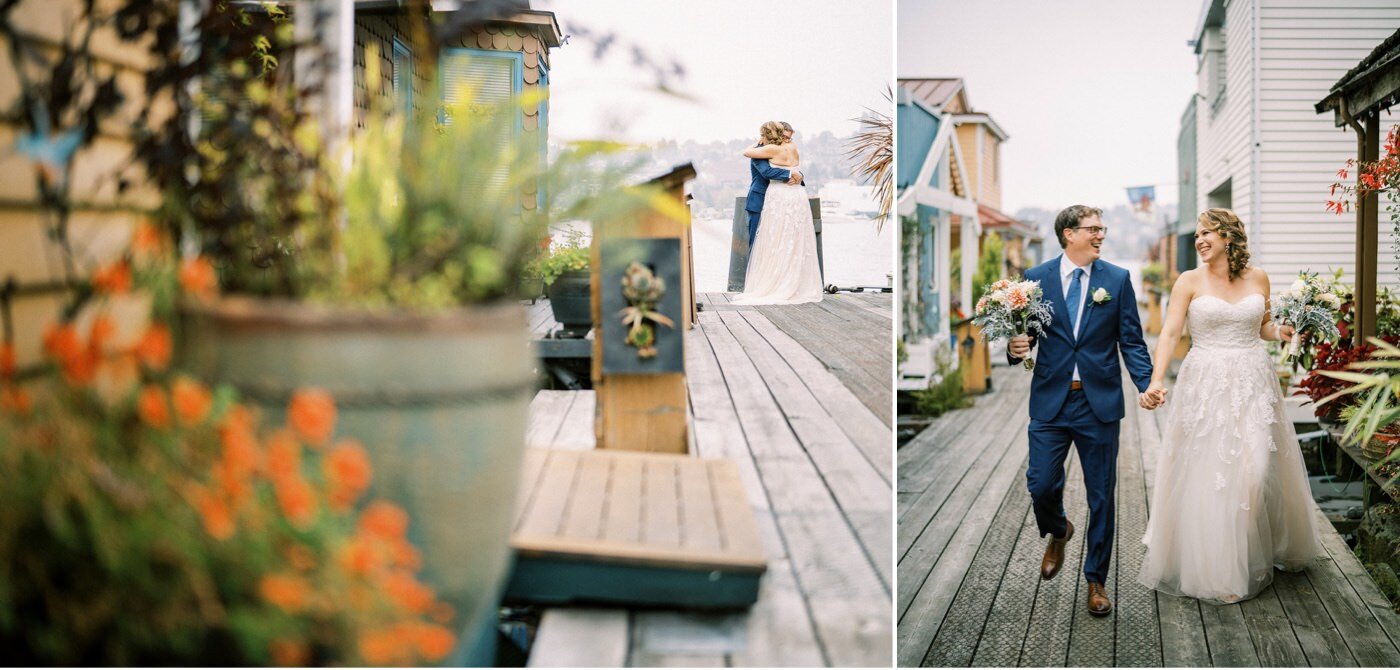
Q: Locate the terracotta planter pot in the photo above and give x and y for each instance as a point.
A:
(570, 298)
(438, 400)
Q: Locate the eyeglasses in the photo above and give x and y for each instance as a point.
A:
(1092, 230)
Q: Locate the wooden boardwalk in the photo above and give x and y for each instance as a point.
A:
(969, 553)
(769, 390)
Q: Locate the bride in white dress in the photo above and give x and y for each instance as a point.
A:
(783, 266)
(1232, 500)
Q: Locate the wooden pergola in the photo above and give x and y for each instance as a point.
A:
(1357, 100)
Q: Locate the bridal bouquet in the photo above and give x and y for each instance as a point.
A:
(1310, 305)
(1007, 309)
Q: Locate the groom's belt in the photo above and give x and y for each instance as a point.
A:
(1076, 386)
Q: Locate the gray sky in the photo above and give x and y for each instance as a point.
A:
(1091, 92)
(812, 63)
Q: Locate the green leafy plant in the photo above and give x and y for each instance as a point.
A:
(574, 254)
(1152, 273)
(946, 393)
(1376, 384)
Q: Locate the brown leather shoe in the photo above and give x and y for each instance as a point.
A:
(1099, 604)
(1055, 553)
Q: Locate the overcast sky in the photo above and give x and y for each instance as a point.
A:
(813, 63)
(1091, 92)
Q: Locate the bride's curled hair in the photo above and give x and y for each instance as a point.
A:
(772, 133)
(1227, 225)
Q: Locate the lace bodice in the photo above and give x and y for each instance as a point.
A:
(1217, 324)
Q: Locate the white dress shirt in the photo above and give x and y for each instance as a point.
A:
(1067, 268)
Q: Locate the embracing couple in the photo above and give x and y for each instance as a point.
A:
(783, 266)
(1231, 501)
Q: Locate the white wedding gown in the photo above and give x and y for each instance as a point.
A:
(783, 265)
(1232, 500)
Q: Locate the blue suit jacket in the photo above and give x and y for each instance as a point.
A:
(1104, 330)
(760, 172)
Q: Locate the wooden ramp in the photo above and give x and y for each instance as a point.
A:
(970, 591)
(815, 464)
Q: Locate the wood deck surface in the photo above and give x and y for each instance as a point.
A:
(969, 553)
(768, 391)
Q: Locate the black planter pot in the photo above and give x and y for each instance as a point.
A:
(570, 299)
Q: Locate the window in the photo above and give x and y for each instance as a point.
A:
(403, 77)
(483, 79)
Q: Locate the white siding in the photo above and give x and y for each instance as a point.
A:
(1305, 47)
(1223, 132)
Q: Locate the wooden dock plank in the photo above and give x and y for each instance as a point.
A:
(860, 493)
(867, 370)
(870, 435)
(1047, 635)
(585, 511)
(1354, 618)
(1271, 632)
(546, 512)
(547, 412)
(948, 546)
(661, 519)
(1137, 633)
(581, 637)
(576, 429)
(1322, 644)
(699, 521)
(957, 640)
(623, 523)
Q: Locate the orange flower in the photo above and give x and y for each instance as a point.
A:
(80, 370)
(360, 556)
(192, 401)
(240, 448)
(152, 407)
(15, 400)
(288, 652)
(288, 592)
(283, 455)
(147, 240)
(103, 328)
(198, 278)
(348, 470)
(407, 592)
(9, 364)
(154, 347)
(217, 517)
(61, 342)
(312, 414)
(383, 647)
(232, 482)
(384, 520)
(113, 279)
(405, 555)
(297, 500)
(434, 642)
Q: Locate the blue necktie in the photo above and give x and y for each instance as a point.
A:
(1072, 301)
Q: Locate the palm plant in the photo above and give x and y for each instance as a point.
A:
(1379, 388)
(873, 150)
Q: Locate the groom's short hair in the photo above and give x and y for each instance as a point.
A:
(786, 126)
(1070, 217)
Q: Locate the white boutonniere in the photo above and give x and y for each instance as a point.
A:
(1101, 296)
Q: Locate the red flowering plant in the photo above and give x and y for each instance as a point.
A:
(1378, 176)
(1334, 357)
(147, 519)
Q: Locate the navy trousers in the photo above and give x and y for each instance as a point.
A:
(1097, 445)
(753, 228)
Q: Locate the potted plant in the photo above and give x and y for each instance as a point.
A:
(1373, 418)
(565, 271)
(390, 285)
(1152, 275)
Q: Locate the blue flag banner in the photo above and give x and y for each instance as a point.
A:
(1142, 197)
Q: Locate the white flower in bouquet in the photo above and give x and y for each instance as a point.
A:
(1308, 305)
(1007, 309)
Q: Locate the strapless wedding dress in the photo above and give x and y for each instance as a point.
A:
(783, 266)
(1232, 500)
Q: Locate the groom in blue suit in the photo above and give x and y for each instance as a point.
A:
(1077, 390)
(760, 173)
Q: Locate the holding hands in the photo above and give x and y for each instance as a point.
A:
(1154, 397)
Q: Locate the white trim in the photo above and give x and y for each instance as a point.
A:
(982, 119)
(1256, 135)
